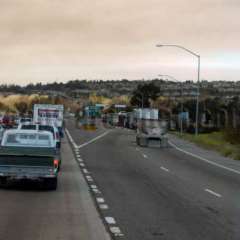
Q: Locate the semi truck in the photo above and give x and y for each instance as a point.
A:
(150, 128)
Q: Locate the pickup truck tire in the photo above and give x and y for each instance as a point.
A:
(3, 180)
(51, 183)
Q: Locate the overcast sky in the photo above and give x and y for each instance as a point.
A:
(48, 40)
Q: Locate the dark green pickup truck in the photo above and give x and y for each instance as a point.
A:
(35, 163)
(29, 154)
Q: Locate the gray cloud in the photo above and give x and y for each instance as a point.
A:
(45, 40)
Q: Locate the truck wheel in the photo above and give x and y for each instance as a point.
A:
(3, 180)
(51, 183)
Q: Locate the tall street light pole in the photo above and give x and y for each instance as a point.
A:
(198, 78)
(175, 80)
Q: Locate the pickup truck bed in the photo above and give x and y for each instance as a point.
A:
(33, 163)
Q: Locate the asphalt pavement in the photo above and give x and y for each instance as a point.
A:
(27, 212)
(160, 193)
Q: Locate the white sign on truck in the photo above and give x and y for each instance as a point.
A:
(48, 114)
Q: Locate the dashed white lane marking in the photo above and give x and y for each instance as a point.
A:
(94, 139)
(165, 169)
(82, 164)
(145, 156)
(100, 200)
(103, 206)
(204, 159)
(93, 186)
(110, 220)
(85, 170)
(89, 178)
(96, 190)
(79, 160)
(116, 231)
(213, 193)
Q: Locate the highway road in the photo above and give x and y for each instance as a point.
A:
(154, 193)
(28, 213)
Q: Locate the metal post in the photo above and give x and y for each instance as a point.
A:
(181, 122)
(198, 81)
(197, 99)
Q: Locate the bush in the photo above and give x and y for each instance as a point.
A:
(232, 135)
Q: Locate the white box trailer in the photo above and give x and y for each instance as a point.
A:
(48, 114)
(146, 113)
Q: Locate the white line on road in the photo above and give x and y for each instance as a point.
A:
(89, 177)
(145, 156)
(100, 200)
(82, 164)
(213, 193)
(110, 220)
(103, 206)
(204, 159)
(164, 169)
(116, 231)
(96, 190)
(94, 139)
(85, 170)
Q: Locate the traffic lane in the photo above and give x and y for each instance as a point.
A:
(81, 136)
(68, 213)
(148, 203)
(191, 169)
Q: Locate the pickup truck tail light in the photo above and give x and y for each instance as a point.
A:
(55, 163)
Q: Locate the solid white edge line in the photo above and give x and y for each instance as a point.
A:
(204, 159)
(213, 193)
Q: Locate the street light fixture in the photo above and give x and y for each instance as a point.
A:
(198, 78)
(175, 80)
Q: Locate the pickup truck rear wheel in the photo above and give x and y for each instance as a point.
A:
(51, 183)
(3, 180)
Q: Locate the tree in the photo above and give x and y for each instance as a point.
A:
(21, 107)
(143, 94)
